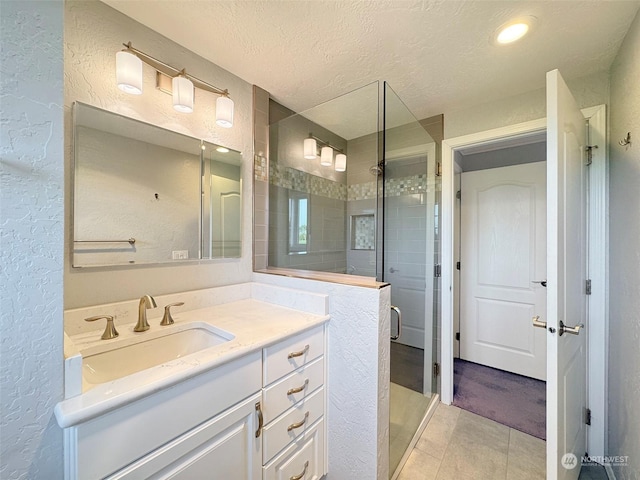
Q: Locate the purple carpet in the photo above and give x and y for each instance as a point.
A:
(513, 400)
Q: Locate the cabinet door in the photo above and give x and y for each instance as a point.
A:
(222, 448)
(303, 459)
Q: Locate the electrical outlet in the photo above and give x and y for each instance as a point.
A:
(180, 254)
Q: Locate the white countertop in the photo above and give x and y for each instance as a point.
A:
(254, 324)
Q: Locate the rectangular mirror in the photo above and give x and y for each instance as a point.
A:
(145, 195)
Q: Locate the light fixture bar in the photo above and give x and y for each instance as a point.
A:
(170, 71)
(326, 144)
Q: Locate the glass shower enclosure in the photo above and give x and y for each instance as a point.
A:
(352, 190)
(407, 251)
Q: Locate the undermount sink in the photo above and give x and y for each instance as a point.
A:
(149, 351)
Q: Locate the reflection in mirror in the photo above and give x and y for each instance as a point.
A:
(222, 203)
(298, 225)
(137, 194)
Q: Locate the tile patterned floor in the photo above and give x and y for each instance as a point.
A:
(460, 445)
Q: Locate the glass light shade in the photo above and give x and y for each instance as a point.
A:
(310, 148)
(129, 73)
(326, 156)
(224, 112)
(341, 162)
(183, 93)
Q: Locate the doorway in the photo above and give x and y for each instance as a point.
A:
(597, 241)
(500, 238)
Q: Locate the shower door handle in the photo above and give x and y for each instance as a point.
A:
(399, 313)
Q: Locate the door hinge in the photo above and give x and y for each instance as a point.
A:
(458, 336)
(436, 369)
(457, 265)
(587, 416)
(459, 195)
(588, 287)
(589, 151)
(437, 270)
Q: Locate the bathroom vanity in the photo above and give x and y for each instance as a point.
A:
(249, 405)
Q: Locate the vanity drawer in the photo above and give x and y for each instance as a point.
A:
(285, 357)
(291, 424)
(286, 392)
(303, 457)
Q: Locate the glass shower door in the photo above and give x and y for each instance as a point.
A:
(406, 260)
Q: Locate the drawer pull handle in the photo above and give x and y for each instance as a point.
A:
(301, 475)
(300, 353)
(293, 426)
(291, 391)
(260, 419)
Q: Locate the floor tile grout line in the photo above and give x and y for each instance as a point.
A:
(444, 454)
(506, 472)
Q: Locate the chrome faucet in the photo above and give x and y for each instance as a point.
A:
(145, 302)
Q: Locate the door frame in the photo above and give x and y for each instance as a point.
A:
(597, 340)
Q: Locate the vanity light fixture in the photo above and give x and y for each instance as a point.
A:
(183, 92)
(326, 156)
(129, 72)
(176, 82)
(513, 30)
(310, 148)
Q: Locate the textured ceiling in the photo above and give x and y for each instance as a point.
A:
(436, 54)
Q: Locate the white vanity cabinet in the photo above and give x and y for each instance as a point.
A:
(294, 408)
(224, 447)
(205, 423)
(258, 417)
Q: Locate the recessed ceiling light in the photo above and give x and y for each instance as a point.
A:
(513, 30)
(222, 150)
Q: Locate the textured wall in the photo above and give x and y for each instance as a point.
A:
(358, 376)
(624, 251)
(94, 32)
(31, 220)
(588, 91)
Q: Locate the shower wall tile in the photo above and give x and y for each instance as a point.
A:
(362, 155)
(260, 176)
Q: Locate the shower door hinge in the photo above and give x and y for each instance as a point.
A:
(587, 416)
(459, 195)
(458, 336)
(589, 150)
(436, 369)
(438, 169)
(437, 270)
(457, 265)
(588, 287)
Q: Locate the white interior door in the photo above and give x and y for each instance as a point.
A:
(503, 229)
(566, 273)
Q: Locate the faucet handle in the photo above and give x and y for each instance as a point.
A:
(168, 319)
(110, 330)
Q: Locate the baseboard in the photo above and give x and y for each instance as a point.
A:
(610, 474)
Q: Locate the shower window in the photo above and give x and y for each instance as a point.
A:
(298, 222)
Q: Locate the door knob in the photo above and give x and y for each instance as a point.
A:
(572, 330)
(537, 323)
(541, 282)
